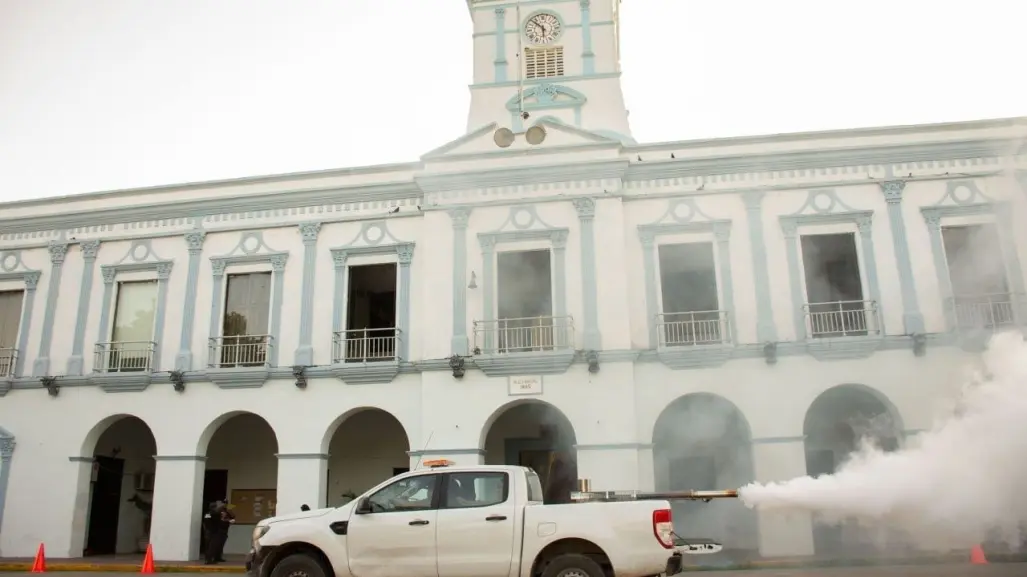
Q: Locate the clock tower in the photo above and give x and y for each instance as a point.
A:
(553, 60)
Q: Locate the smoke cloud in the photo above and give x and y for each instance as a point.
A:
(953, 486)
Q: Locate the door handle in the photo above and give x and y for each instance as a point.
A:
(496, 518)
(419, 522)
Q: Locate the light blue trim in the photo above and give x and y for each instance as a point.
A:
(75, 361)
(586, 208)
(139, 257)
(500, 61)
(587, 56)
(524, 22)
(194, 243)
(431, 452)
(766, 327)
(520, 3)
(58, 250)
(16, 271)
(957, 203)
(912, 318)
(822, 206)
(545, 97)
(571, 26)
(537, 81)
(683, 216)
(251, 249)
(375, 238)
(459, 344)
(779, 440)
(7, 446)
(304, 356)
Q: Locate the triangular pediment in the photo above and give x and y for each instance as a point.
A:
(559, 137)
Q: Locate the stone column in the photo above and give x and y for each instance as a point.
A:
(177, 506)
(58, 250)
(587, 56)
(912, 318)
(305, 351)
(278, 282)
(766, 331)
(459, 343)
(488, 274)
(163, 276)
(404, 254)
(652, 305)
(89, 250)
(31, 282)
(500, 60)
(7, 445)
(194, 242)
(586, 208)
(302, 480)
(782, 534)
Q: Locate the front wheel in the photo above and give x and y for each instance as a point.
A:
(568, 565)
(298, 565)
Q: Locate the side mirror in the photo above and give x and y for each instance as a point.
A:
(363, 507)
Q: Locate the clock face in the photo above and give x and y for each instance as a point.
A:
(542, 28)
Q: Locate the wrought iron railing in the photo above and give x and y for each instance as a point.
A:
(988, 312)
(522, 335)
(8, 362)
(842, 319)
(365, 345)
(123, 357)
(693, 328)
(239, 351)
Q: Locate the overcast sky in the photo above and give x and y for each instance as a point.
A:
(105, 94)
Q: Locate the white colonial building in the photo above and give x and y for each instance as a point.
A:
(678, 315)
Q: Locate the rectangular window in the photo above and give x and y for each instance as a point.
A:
(245, 337)
(834, 286)
(468, 490)
(10, 327)
(543, 62)
(524, 294)
(976, 267)
(131, 344)
(535, 494)
(691, 300)
(371, 300)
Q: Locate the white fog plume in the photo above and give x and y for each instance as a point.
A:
(950, 487)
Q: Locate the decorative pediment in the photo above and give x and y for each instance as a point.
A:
(546, 97)
(481, 143)
(683, 215)
(961, 198)
(824, 207)
(523, 223)
(251, 248)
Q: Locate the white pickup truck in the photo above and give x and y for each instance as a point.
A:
(483, 521)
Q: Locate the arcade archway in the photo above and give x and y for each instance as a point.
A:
(366, 447)
(534, 434)
(117, 512)
(836, 423)
(702, 441)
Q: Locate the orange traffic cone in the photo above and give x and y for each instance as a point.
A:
(148, 560)
(977, 556)
(39, 565)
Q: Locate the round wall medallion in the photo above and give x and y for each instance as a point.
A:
(682, 211)
(523, 218)
(823, 202)
(140, 251)
(373, 234)
(10, 262)
(250, 244)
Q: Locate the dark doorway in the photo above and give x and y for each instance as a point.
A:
(215, 487)
(371, 313)
(105, 508)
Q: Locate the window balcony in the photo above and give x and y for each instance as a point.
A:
(239, 351)
(992, 312)
(8, 362)
(842, 319)
(693, 328)
(124, 357)
(523, 335)
(365, 345)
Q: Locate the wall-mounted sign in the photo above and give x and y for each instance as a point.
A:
(525, 385)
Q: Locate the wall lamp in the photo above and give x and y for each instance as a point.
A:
(52, 388)
(919, 344)
(592, 358)
(770, 352)
(177, 380)
(299, 373)
(474, 281)
(456, 364)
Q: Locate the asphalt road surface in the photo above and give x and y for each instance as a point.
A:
(994, 570)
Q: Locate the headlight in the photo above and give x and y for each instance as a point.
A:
(258, 532)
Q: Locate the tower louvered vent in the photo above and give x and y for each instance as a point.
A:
(543, 62)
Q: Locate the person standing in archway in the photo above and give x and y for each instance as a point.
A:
(221, 519)
(559, 484)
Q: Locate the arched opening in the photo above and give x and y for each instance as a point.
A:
(836, 423)
(702, 442)
(117, 513)
(367, 447)
(241, 471)
(535, 434)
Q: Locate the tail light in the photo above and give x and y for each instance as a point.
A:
(663, 527)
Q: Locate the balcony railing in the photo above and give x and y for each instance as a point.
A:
(8, 362)
(123, 357)
(365, 345)
(239, 351)
(522, 335)
(988, 312)
(693, 328)
(842, 319)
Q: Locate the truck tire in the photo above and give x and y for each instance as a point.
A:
(570, 565)
(298, 565)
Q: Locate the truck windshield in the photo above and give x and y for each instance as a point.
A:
(534, 486)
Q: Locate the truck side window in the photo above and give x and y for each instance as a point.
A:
(534, 487)
(465, 490)
(410, 494)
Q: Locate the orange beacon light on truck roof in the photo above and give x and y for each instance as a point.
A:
(437, 463)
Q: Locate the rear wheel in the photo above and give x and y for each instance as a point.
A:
(298, 565)
(568, 565)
